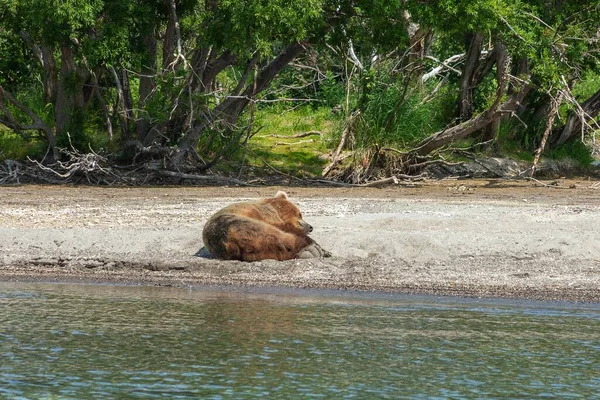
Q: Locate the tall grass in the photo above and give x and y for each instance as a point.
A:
(15, 147)
(394, 117)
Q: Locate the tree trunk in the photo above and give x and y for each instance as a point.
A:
(68, 109)
(498, 56)
(236, 105)
(553, 110)
(127, 101)
(214, 66)
(9, 120)
(419, 40)
(50, 76)
(146, 88)
(121, 106)
(168, 47)
(574, 125)
(467, 84)
(493, 114)
(461, 131)
(229, 110)
(45, 56)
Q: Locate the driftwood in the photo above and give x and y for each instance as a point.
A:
(211, 178)
(392, 180)
(293, 143)
(297, 135)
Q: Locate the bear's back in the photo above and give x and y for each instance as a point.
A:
(260, 210)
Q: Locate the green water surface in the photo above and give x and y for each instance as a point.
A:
(88, 342)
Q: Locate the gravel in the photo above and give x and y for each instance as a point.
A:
(514, 239)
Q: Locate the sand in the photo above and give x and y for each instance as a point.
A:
(513, 239)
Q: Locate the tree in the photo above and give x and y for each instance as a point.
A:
(171, 79)
(181, 92)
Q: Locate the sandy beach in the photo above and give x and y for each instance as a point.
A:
(488, 238)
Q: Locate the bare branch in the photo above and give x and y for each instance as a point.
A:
(553, 111)
(445, 64)
(210, 178)
(38, 123)
(244, 78)
(348, 128)
(298, 135)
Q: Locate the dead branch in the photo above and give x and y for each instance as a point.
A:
(211, 178)
(583, 116)
(348, 128)
(394, 150)
(9, 172)
(88, 164)
(293, 143)
(435, 90)
(297, 135)
(464, 129)
(553, 111)
(380, 182)
(12, 171)
(285, 99)
(435, 162)
(78, 163)
(392, 180)
(553, 185)
(38, 124)
(444, 65)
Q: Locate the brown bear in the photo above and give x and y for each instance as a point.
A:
(260, 230)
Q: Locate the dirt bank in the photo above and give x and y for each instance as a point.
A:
(475, 238)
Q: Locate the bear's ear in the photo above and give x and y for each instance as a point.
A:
(281, 195)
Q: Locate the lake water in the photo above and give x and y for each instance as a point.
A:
(94, 341)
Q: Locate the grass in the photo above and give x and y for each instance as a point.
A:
(14, 147)
(392, 119)
(274, 145)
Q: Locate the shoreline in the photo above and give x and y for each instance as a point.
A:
(588, 296)
(482, 239)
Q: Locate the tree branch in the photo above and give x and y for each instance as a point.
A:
(553, 111)
(38, 123)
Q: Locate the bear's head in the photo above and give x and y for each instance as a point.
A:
(289, 214)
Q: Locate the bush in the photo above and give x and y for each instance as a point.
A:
(14, 147)
(574, 150)
(390, 118)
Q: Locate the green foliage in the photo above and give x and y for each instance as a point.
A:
(588, 85)
(273, 145)
(14, 147)
(13, 67)
(510, 141)
(391, 117)
(332, 90)
(574, 150)
(462, 16)
(557, 38)
(372, 25)
(51, 22)
(249, 26)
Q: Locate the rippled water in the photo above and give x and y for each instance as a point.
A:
(84, 341)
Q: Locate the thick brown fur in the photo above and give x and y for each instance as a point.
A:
(271, 228)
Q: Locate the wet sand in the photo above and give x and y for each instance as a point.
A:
(513, 239)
